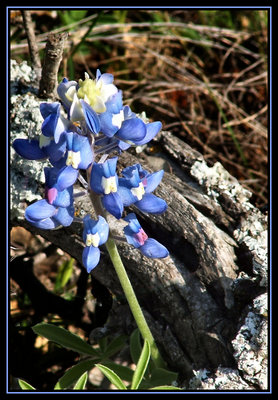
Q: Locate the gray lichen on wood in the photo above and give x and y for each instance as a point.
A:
(202, 299)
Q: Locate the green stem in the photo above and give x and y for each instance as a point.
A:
(132, 301)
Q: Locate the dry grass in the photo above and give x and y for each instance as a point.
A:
(207, 84)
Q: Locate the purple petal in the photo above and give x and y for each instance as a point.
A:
(153, 249)
(151, 204)
(90, 257)
(29, 149)
(39, 210)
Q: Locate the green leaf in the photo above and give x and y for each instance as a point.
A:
(159, 376)
(112, 376)
(64, 338)
(165, 387)
(141, 366)
(81, 383)
(135, 345)
(114, 346)
(74, 373)
(125, 373)
(24, 385)
(64, 274)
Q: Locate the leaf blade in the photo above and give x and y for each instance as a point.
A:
(112, 376)
(81, 383)
(141, 366)
(74, 373)
(64, 338)
(25, 385)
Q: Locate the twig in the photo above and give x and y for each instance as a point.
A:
(53, 56)
(32, 44)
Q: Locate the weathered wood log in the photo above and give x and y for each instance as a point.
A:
(205, 303)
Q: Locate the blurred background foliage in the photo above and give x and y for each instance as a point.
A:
(203, 73)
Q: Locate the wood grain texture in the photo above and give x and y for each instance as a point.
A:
(196, 299)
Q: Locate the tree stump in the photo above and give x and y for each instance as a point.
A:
(207, 302)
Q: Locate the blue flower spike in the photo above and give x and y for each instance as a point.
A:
(136, 187)
(95, 234)
(91, 113)
(137, 237)
(104, 181)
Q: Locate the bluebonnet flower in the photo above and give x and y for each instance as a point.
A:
(56, 208)
(85, 100)
(104, 181)
(127, 127)
(136, 187)
(54, 123)
(93, 106)
(95, 233)
(137, 237)
(79, 155)
(52, 143)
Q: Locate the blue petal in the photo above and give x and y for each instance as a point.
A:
(152, 130)
(62, 89)
(113, 204)
(49, 108)
(39, 210)
(91, 117)
(56, 151)
(153, 249)
(86, 154)
(123, 145)
(125, 193)
(102, 229)
(66, 177)
(29, 149)
(153, 180)
(90, 257)
(64, 198)
(115, 103)
(129, 234)
(50, 122)
(99, 226)
(47, 223)
(64, 215)
(106, 125)
(100, 170)
(151, 204)
(132, 129)
(106, 78)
